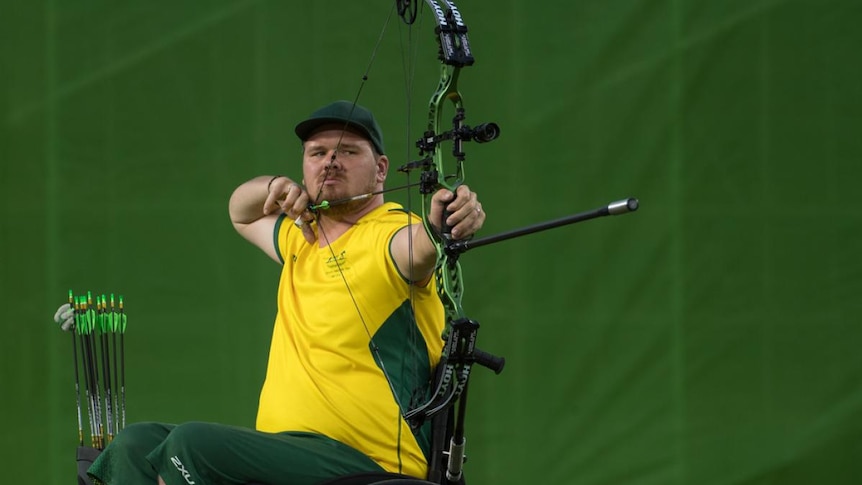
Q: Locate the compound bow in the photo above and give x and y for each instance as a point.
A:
(459, 351)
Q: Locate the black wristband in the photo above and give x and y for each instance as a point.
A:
(269, 185)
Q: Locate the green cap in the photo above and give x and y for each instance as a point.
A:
(346, 113)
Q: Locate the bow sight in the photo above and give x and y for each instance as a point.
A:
(484, 132)
(481, 133)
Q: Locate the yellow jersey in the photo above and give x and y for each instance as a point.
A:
(344, 315)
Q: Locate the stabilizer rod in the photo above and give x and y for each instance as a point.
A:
(619, 207)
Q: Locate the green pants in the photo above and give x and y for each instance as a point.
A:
(206, 453)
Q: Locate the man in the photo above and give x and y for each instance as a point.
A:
(356, 336)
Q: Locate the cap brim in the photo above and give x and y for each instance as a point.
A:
(305, 129)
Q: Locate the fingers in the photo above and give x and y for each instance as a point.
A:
(303, 222)
(65, 316)
(290, 198)
(286, 196)
(465, 216)
(308, 233)
(274, 192)
(296, 202)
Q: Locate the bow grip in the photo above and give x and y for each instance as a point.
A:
(445, 228)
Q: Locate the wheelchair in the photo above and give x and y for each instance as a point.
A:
(447, 434)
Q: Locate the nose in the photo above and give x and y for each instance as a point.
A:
(333, 163)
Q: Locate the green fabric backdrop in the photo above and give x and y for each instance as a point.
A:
(711, 338)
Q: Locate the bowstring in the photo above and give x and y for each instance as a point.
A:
(409, 14)
(409, 66)
(355, 102)
(317, 215)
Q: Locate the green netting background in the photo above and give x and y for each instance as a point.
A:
(711, 338)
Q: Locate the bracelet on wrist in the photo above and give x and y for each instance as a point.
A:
(269, 185)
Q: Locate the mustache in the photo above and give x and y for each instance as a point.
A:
(331, 172)
(322, 180)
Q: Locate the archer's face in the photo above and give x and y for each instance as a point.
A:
(354, 170)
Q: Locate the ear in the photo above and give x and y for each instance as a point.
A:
(382, 168)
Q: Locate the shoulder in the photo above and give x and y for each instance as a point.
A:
(391, 213)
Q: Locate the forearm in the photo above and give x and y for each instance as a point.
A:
(414, 253)
(247, 201)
